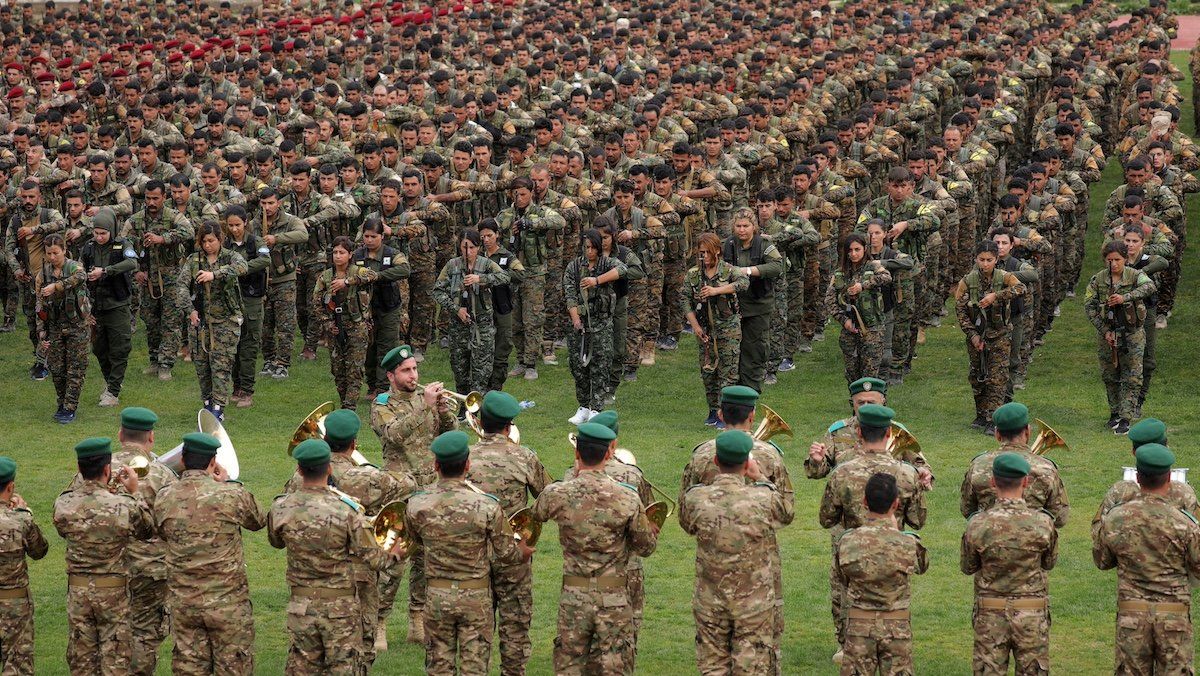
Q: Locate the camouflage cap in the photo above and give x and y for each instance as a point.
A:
(8, 469)
(1148, 431)
(875, 415)
(201, 443)
(1010, 466)
(1011, 417)
(452, 446)
(93, 447)
(608, 419)
(733, 447)
(499, 405)
(596, 432)
(396, 356)
(311, 453)
(342, 425)
(739, 394)
(1154, 459)
(138, 418)
(868, 385)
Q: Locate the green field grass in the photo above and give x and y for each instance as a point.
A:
(661, 422)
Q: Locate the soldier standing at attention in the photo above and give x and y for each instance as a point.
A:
(1179, 493)
(1155, 548)
(464, 534)
(324, 536)
(512, 473)
(734, 523)
(758, 259)
(110, 262)
(201, 518)
(16, 603)
(341, 303)
(710, 305)
(600, 523)
(98, 525)
(406, 422)
(874, 562)
(1009, 548)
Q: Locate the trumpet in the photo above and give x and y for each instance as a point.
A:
(313, 427)
(471, 401)
(524, 526)
(658, 511)
(1046, 439)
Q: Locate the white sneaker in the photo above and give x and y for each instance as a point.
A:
(107, 399)
(592, 414)
(581, 416)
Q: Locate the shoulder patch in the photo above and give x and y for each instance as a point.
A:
(278, 497)
(629, 486)
(382, 398)
(775, 446)
(234, 481)
(911, 534)
(1189, 515)
(837, 426)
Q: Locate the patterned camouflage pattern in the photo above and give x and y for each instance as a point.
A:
(279, 323)
(1122, 379)
(988, 373)
(1045, 490)
(724, 326)
(22, 538)
(214, 343)
(351, 313)
(842, 444)
(1179, 493)
(66, 331)
(472, 345)
(842, 503)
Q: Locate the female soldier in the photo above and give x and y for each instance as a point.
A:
(589, 288)
(710, 303)
(209, 277)
(1135, 242)
(856, 297)
(345, 315)
(982, 304)
(502, 299)
(389, 316)
(1115, 304)
(633, 272)
(1020, 309)
(252, 285)
(463, 290)
(65, 314)
(899, 290)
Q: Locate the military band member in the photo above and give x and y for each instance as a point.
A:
(1179, 493)
(18, 528)
(1009, 548)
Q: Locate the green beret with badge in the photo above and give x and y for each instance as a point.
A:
(1148, 431)
(595, 432)
(1154, 459)
(396, 356)
(201, 444)
(1011, 417)
(875, 415)
(342, 425)
(93, 447)
(733, 447)
(739, 394)
(607, 418)
(451, 447)
(8, 469)
(138, 418)
(868, 385)
(500, 406)
(1010, 466)
(311, 453)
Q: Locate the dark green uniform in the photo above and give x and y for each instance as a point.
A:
(473, 343)
(110, 307)
(253, 287)
(756, 304)
(389, 315)
(595, 341)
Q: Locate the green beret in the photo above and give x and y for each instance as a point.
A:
(342, 425)
(8, 469)
(868, 385)
(739, 394)
(311, 453)
(608, 419)
(499, 405)
(138, 418)
(452, 446)
(1148, 431)
(1010, 466)
(734, 446)
(396, 355)
(1154, 459)
(1011, 417)
(203, 444)
(875, 415)
(93, 447)
(596, 432)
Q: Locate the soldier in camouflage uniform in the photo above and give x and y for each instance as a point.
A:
(110, 263)
(735, 622)
(589, 288)
(317, 212)
(463, 290)
(874, 562)
(98, 525)
(1009, 548)
(503, 298)
(389, 315)
(856, 296)
(710, 303)
(1155, 548)
(1179, 493)
(16, 602)
(24, 251)
(341, 300)
(201, 518)
(253, 287)
(1115, 304)
(62, 299)
(413, 235)
(642, 232)
(282, 233)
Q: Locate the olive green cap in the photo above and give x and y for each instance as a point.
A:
(138, 418)
(596, 432)
(452, 446)
(608, 419)
(868, 385)
(93, 447)
(8, 469)
(1148, 431)
(1010, 466)
(733, 447)
(201, 443)
(739, 394)
(105, 219)
(311, 453)
(875, 415)
(501, 406)
(395, 356)
(1011, 417)
(342, 425)
(1154, 459)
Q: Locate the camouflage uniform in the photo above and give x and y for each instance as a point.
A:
(66, 329)
(862, 349)
(600, 524)
(316, 212)
(253, 287)
(874, 563)
(989, 372)
(723, 325)
(472, 345)
(466, 537)
(21, 537)
(503, 298)
(755, 304)
(219, 304)
(1009, 548)
(279, 318)
(1045, 490)
(1120, 367)
(595, 308)
(417, 222)
(1180, 494)
(98, 526)
(1155, 548)
(645, 297)
(163, 316)
(528, 242)
(349, 312)
(633, 272)
(201, 523)
(794, 241)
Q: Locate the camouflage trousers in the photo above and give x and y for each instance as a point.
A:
(1154, 643)
(1016, 363)
(347, 359)
(1025, 633)
(793, 332)
(1047, 295)
(931, 298)
(29, 309)
(16, 635)
(1027, 319)
(458, 631)
(368, 613)
(67, 359)
(1122, 380)
(728, 339)
(513, 600)
(817, 273)
(111, 343)
(324, 635)
(837, 589)
(620, 332)
(389, 586)
(635, 586)
(674, 270)
(877, 646)
(310, 327)
(502, 347)
(592, 380)
(555, 303)
(862, 352)
(779, 321)
(214, 358)
(10, 293)
(1149, 353)
(279, 324)
(215, 640)
(420, 302)
(1169, 278)
(472, 354)
(1076, 240)
(529, 319)
(732, 645)
(245, 362)
(100, 639)
(988, 372)
(149, 622)
(591, 631)
(388, 327)
(164, 320)
(902, 326)
(645, 308)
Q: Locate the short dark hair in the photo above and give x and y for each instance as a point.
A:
(735, 414)
(591, 451)
(881, 492)
(872, 434)
(452, 470)
(1152, 481)
(196, 460)
(93, 467)
(1006, 482)
(339, 446)
(313, 471)
(492, 425)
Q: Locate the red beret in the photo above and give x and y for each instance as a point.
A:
(227, 43)
(460, 8)
(170, 44)
(127, 47)
(39, 59)
(282, 23)
(318, 21)
(376, 5)
(15, 93)
(443, 12)
(85, 65)
(359, 15)
(297, 22)
(10, 66)
(175, 57)
(344, 21)
(304, 29)
(245, 32)
(289, 45)
(360, 34)
(68, 86)
(196, 54)
(215, 40)
(106, 58)
(148, 47)
(120, 72)
(64, 63)
(44, 77)
(262, 32)
(244, 49)
(145, 64)
(397, 21)
(266, 49)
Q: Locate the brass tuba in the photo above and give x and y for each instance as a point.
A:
(207, 423)
(387, 527)
(313, 427)
(660, 510)
(772, 425)
(1046, 439)
(902, 444)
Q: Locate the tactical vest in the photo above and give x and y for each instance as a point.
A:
(385, 296)
(1152, 299)
(1016, 307)
(253, 284)
(869, 302)
(502, 295)
(601, 299)
(219, 290)
(759, 287)
(115, 287)
(72, 305)
(998, 315)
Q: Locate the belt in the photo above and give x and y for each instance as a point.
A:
(860, 614)
(1171, 607)
(98, 581)
(441, 583)
(996, 603)
(9, 594)
(321, 592)
(601, 582)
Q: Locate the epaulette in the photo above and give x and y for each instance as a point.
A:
(1189, 515)
(629, 486)
(277, 497)
(382, 398)
(1051, 461)
(1050, 514)
(354, 506)
(837, 426)
(234, 481)
(911, 534)
(775, 446)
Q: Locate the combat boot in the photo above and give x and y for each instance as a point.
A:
(416, 628)
(647, 353)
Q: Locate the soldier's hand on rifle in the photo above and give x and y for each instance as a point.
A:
(707, 292)
(1115, 300)
(140, 277)
(194, 318)
(24, 231)
(977, 343)
(337, 285)
(95, 274)
(897, 230)
(625, 236)
(987, 300)
(23, 276)
(74, 234)
(464, 316)
(577, 323)
(472, 280)
(587, 283)
(854, 289)
(849, 324)
(269, 239)
(153, 239)
(1110, 338)
(48, 290)
(204, 277)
